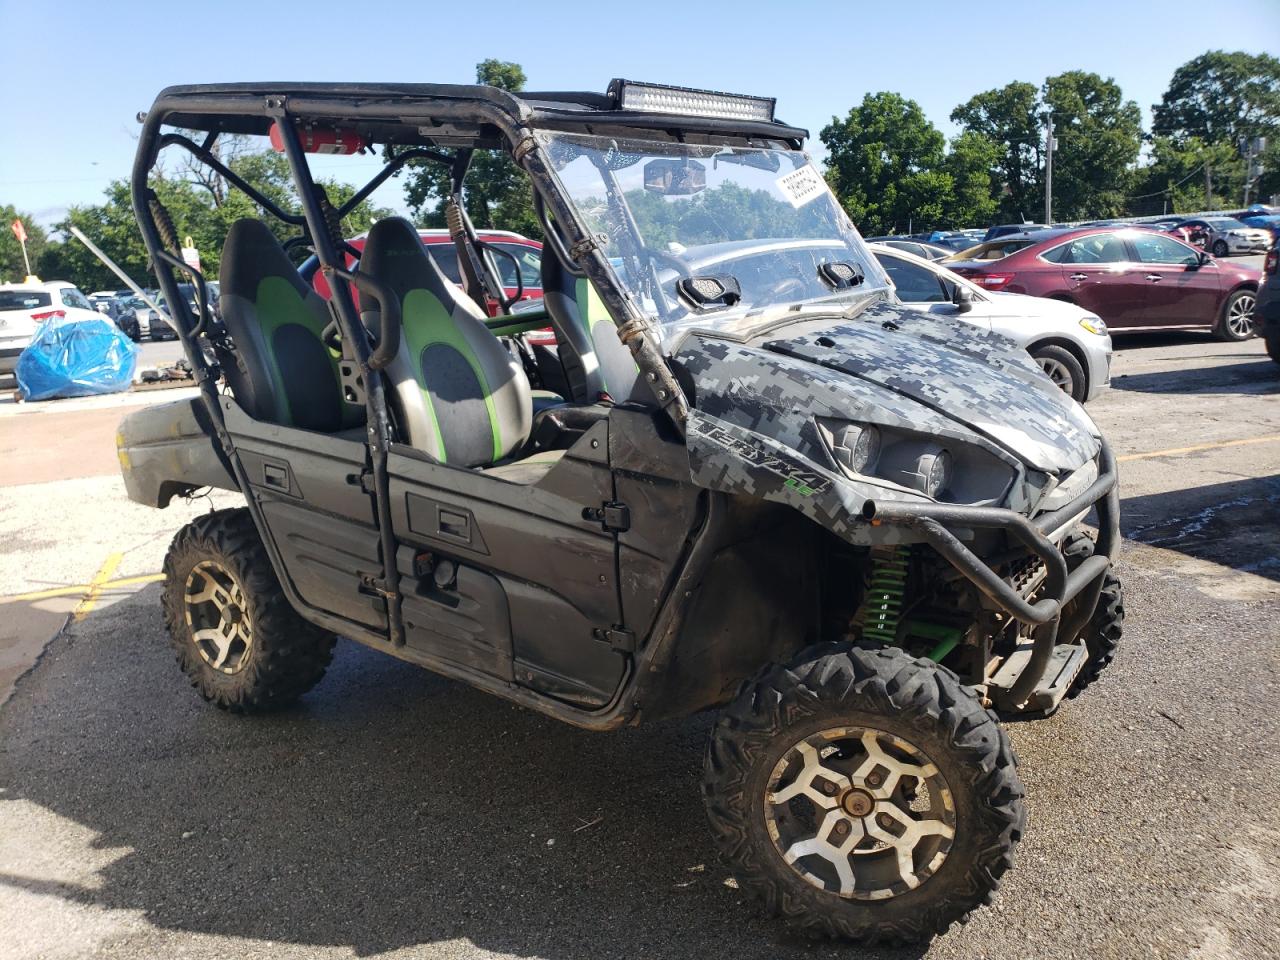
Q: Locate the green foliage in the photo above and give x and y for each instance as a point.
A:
(498, 195)
(1175, 177)
(969, 163)
(12, 267)
(202, 207)
(885, 163)
(1010, 118)
(727, 212)
(1099, 135)
(1219, 96)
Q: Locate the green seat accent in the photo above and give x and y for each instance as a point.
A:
(427, 322)
(618, 368)
(278, 307)
(283, 372)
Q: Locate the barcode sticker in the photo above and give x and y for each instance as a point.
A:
(801, 185)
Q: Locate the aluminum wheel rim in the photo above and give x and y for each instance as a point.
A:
(860, 813)
(1058, 373)
(217, 617)
(1240, 316)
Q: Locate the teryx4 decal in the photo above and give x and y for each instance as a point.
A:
(802, 481)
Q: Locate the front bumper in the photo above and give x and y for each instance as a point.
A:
(1247, 244)
(940, 524)
(9, 358)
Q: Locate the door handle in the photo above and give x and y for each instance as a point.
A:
(275, 476)
(1078, 276)
(1154, 277)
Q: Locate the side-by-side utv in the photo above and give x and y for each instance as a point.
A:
(744, 478)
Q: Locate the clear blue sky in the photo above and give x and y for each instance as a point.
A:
(77, 73)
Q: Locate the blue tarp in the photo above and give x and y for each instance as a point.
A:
(76, 358)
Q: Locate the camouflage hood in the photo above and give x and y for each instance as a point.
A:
(754, 426)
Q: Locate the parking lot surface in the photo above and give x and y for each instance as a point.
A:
(396, 814)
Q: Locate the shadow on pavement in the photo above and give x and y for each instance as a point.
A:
(1246, 378)
(391, 808)
(1235, 524)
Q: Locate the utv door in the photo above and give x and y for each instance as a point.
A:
(512, 578)
(318, 514)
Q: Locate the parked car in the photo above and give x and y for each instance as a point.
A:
(23, 306)
(1071, 344)
(517, 251)
(918, 248)
(1266, 316)
(1262, 221)
(1004, 229)
(1133, 279)
(159, 330)
(1227, 235)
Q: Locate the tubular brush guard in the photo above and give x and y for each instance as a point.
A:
(933, 522)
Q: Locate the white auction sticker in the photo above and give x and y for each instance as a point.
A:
(801, 185)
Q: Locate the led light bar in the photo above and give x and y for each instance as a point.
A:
(656, 98)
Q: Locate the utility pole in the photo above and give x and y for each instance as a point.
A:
(1208, 187)
(1050, 144)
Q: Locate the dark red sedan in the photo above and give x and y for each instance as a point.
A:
(1133, 279)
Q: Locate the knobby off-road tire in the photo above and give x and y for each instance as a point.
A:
(816, 714)
(1102, 634)
(239, 641)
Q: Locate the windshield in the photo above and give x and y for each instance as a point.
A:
(759, 221)
(23, 299)
(1225, 223)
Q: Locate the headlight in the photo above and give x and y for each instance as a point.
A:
(930, 474)
(855, 446)
(1094, 325)
(958, 473)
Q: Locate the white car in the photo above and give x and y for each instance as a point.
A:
(24, 306)
(1071, 344)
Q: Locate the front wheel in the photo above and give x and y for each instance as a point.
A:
(238, 640)
(1066, 372)
(1273, 348)
(863, 794)
(1220, 248)
(1236, 322)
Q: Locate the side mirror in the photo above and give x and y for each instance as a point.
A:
(1202, 259)
(675, 177)
(963, 299)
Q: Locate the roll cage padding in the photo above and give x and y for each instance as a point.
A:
(596, 361)
(282, 372)
(456, 391)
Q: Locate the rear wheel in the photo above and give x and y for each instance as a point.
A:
(863, 794)
(1061, 366)
(1236, 322)
(239, 641)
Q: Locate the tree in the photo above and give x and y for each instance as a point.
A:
(1219, 96)
(885, 164)
(12, 267)
(969, 163)
(1174, 180)
(1009, 118)
(1100, 135)
(498, 195)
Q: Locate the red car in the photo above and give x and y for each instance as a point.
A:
(1133, 279)
(527, 254)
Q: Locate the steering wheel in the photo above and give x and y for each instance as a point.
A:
(681, 268)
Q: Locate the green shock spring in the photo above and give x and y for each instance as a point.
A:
(885, 594)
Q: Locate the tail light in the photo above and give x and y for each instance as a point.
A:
(49, 315)
(1272, 263)
(993, 281)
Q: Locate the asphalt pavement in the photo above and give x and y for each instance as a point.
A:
(397, 814)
